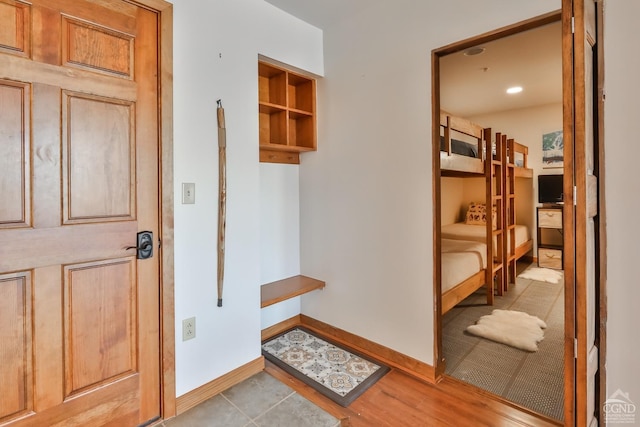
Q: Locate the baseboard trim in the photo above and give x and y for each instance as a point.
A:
(384, 354)
(280, 327)
(220, 384)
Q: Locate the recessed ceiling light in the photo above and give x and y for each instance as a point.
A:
(472, 51)
(514, 89)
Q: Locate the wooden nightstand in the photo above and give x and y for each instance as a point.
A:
(550, 236)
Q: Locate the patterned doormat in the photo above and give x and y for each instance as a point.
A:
(338, 373)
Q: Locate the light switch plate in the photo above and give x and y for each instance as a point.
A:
(188, 193)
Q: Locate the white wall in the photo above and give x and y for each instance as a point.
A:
(366, 200)
(451, 206)
(366, 208)
(526, 126)
(622, 151)
(279, 234)
(475, 190)
(216, 47)
(457, 194)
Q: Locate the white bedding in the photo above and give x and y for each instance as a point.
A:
(460, 260)
(478, 233)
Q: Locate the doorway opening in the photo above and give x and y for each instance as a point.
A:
(491, 225)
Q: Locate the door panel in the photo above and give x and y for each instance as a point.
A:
(14, 28)
(98, 159)
(82, 42)
(81, 311)
(100, 345)
(14, 183)
(15, 327)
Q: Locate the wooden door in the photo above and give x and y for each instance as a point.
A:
(79, 314)
(582, 215)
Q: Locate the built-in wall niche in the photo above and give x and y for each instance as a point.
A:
(287, 113)
(287, 120)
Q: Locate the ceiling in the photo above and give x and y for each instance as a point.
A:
(321, 13)
(472, 85)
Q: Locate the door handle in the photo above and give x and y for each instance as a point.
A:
(144, 248)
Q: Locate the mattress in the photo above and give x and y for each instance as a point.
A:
(461, 259)
(478, 233)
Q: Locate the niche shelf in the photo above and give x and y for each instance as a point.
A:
(287, 114)
(280, 290)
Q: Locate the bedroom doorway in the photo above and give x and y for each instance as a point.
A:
(460, 127)
(479, 121)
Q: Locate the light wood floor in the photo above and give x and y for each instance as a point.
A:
(401, 400)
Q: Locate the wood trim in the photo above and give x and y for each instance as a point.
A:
(274, 156)
(509, 30)
(168, 368)
(568, 213)
(167, 301)
(384, 354)
(462, 290)
(280, 327)
(523, 249)
(220, 384)
(459, 174)
(436, 179)
(601, 221)
(523, 172)
(377, 351)
(465, 126)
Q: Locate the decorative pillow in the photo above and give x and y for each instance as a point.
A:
(477, 214)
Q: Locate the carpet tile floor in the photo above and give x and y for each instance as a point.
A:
(533, 380)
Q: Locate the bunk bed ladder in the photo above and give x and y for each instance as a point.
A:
(494, 193)
(509, 171)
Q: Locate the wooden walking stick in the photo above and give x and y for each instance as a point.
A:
(222, 195)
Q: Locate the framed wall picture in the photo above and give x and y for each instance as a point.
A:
(552, 150)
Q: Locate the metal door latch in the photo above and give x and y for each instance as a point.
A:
(144, 248)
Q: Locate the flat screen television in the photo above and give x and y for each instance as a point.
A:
(550, 189)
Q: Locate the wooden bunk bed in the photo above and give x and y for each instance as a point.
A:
(500, 162)
(463, 150)
(517, 239)
(464, 266)
(462, 147)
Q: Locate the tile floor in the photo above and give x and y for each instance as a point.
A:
(258, 401)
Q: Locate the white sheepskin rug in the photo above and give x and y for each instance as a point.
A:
(542, 274)
(514, 328)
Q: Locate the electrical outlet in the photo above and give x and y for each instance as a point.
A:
(188, 193)
(188, 328)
